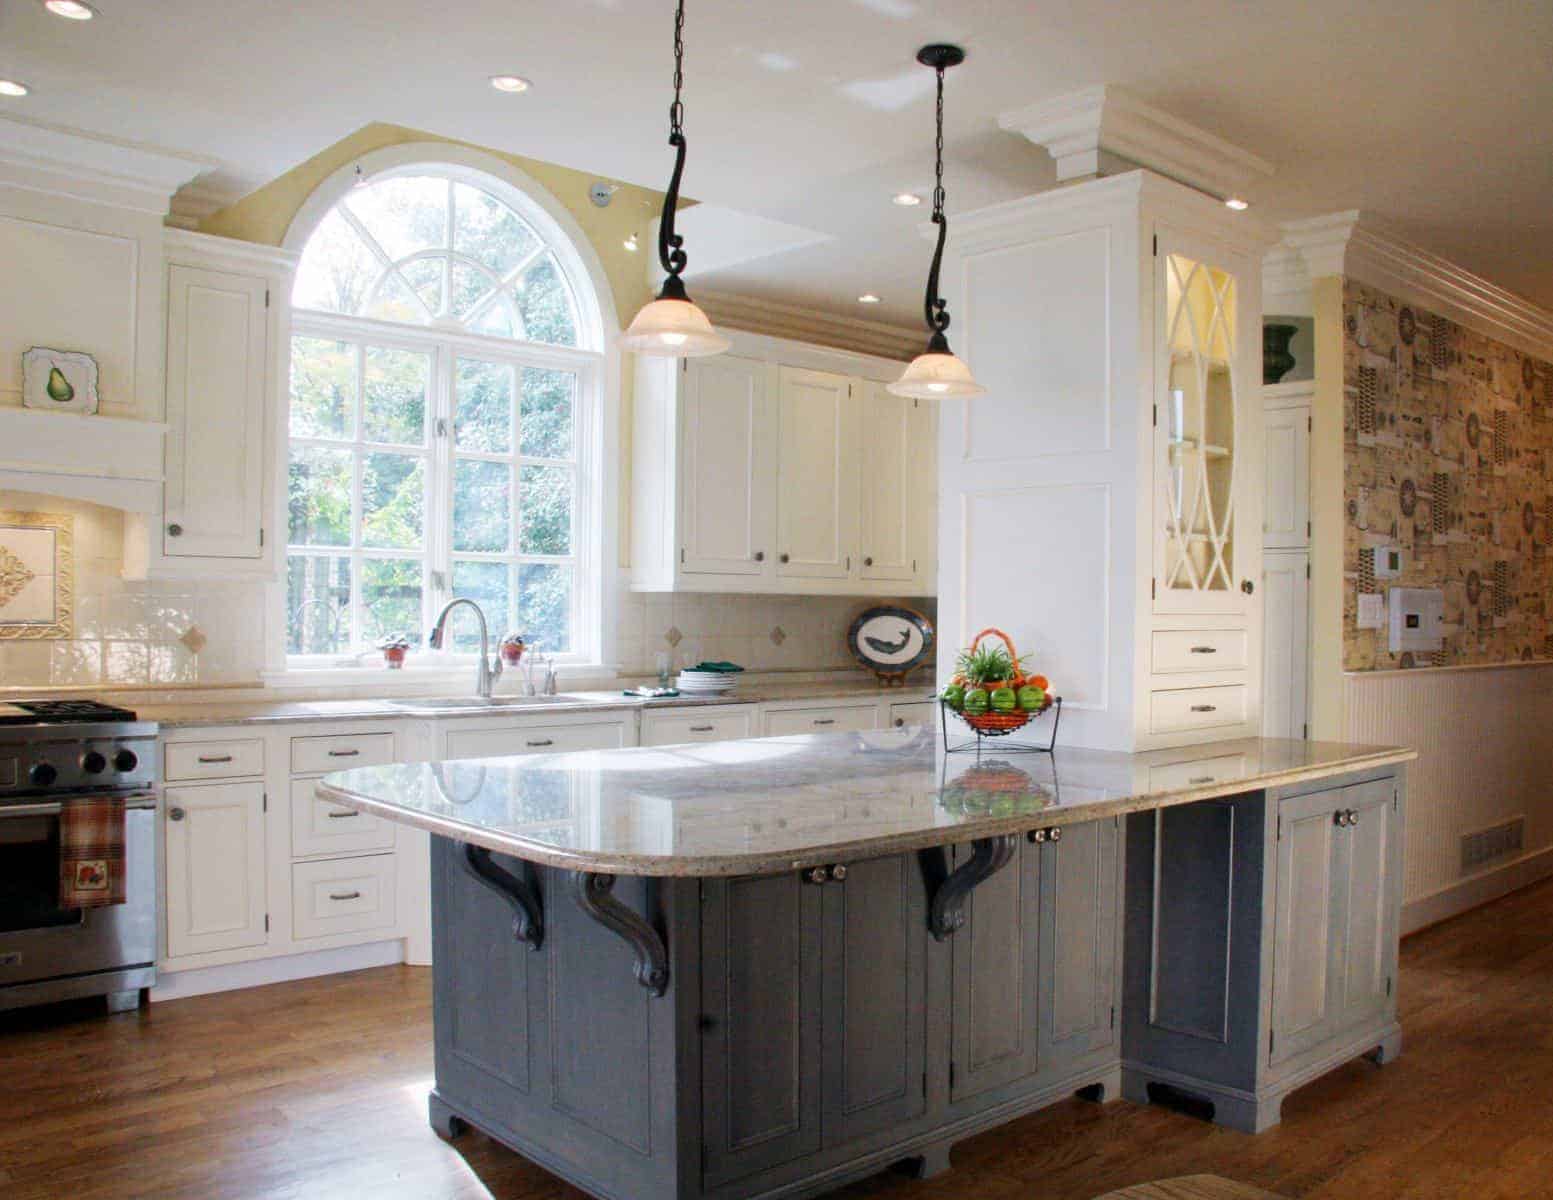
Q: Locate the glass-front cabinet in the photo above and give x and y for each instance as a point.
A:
(1202, 528)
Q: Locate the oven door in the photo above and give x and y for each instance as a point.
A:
(38, 939)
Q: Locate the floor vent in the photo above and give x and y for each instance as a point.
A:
(1488, 845)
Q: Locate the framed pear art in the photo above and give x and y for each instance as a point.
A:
(59, 380)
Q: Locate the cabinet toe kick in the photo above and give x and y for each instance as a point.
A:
(595, 896)
(951, 890)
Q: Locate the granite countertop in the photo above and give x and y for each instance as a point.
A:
(763, 806)
(190, 715)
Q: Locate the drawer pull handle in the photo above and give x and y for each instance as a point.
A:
(541, 742)
(824, 720)
(345, 895)
(341, 814)
(215, 758)
(344, 753)
(1205, 649)
(703, 729)
(1201, 779)
(1205, 708)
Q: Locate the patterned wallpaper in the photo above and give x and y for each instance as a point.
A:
(1448, 453)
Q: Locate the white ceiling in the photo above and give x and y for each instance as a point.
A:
(1435, 115)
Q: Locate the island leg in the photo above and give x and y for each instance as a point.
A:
(934, 1160)
(447, 1123)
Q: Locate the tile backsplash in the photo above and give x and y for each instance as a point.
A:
(126, 633)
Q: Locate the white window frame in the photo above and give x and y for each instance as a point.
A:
(594, 361)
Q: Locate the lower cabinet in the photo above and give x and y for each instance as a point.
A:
(821, 718)
(215, 868)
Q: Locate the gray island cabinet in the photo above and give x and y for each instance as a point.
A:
(764, 968)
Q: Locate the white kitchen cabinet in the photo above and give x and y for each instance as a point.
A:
(752, 473)
(495, 738)
(714, 723)
(1286, 494)
(1111, 477)
(215, 867)
(817, 478)
(227, 326)
(1286, 637)
(913, 712)
(786, 720)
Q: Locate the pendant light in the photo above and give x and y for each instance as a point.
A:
(937, 373)
(672, 326)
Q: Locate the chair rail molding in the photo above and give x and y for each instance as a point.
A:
(69, 162)
(1086, 131)
(1358, 246)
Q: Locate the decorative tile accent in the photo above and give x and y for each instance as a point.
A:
(37, 576)
(673, 636)
(1448, 453)
(194, 639)
(778, 636)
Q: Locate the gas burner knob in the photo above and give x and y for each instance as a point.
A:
(125, 760)
(42, 774)
(93, 763)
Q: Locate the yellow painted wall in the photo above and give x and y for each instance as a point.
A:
(1326, 514)
(265, 215)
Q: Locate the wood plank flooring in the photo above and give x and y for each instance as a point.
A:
(317, 1090)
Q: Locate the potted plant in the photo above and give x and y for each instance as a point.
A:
(394, 647)
(512, 649)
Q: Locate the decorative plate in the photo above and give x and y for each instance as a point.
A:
(890, 641)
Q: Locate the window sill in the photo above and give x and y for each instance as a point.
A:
(420, 679)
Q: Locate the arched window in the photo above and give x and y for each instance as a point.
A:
(446, 364)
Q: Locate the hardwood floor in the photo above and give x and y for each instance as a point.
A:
(317, 1089)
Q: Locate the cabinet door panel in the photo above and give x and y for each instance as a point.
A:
(215, 868)
(1079, 884)
(1368, 912)
(761, 1006)
(817, 480)
(1285, 633)
(726, 498)
(888, 479)
(874, 1039)
(1307, 940)
(217, 345)
(995, 1025)
(1286, 493)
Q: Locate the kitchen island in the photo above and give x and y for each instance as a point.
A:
(766, 967)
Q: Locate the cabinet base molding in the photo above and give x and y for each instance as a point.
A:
(1254, 1112)
(173, 984)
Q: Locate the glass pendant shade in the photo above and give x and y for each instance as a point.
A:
(935, 376)
(673, 329)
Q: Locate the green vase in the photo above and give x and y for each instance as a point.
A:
(1276, 359)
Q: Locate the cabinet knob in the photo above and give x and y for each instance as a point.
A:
(816, 875)
(1247, 586)
(869, 561)
(782, 558)
(175, 814)
(175, 530)
(839, 872)
(900, 722)
(760, 556)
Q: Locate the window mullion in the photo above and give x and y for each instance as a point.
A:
(440, 536)
(358, 469)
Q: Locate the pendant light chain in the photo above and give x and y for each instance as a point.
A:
(671, 251)
(677, 109)
(938, 150)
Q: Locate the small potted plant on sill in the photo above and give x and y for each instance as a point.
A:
(512, 647)
(394, 648)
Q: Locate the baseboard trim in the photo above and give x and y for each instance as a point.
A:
(1471, 893)
(259, 972)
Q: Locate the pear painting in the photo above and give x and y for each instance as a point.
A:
(58, 387)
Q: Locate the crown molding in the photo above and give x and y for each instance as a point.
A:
(198, 249)
(1358, 247)
(195, 203)
(754, 315)
(1285, 282)
(1086, 131)
(70, 162)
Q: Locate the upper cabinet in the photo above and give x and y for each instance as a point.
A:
(1103, 501)
(781, 468)
(226, 340)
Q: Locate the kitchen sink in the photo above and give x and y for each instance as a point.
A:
(435, 704)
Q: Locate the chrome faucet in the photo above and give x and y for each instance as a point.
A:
(488, 672)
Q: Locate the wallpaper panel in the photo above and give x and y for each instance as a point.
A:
(1448, 453)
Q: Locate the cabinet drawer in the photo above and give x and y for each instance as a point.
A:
(1200, 772)
(343, 895)
(702, 725)
(318, 755)
(319, 827)
(1181, 710)
(214, 760)
(829, 719)
(1178, 650)
(547, 739)
(920, 712)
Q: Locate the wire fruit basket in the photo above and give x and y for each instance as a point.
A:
(993, 723)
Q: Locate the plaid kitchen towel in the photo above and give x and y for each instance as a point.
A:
(91, 852)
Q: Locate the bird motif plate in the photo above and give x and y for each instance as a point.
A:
(891, 641)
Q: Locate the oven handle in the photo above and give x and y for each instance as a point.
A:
(133, 801)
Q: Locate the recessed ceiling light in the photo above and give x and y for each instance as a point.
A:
(1237, 203)
(72, 10)
(509, 83)
(9, 87)
(868, 298)
(906, 199)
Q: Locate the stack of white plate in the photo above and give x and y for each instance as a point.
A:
(706, 683)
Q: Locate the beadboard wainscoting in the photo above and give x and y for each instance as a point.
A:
(1485, 758)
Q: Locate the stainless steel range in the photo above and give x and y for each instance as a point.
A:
(50, 751)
